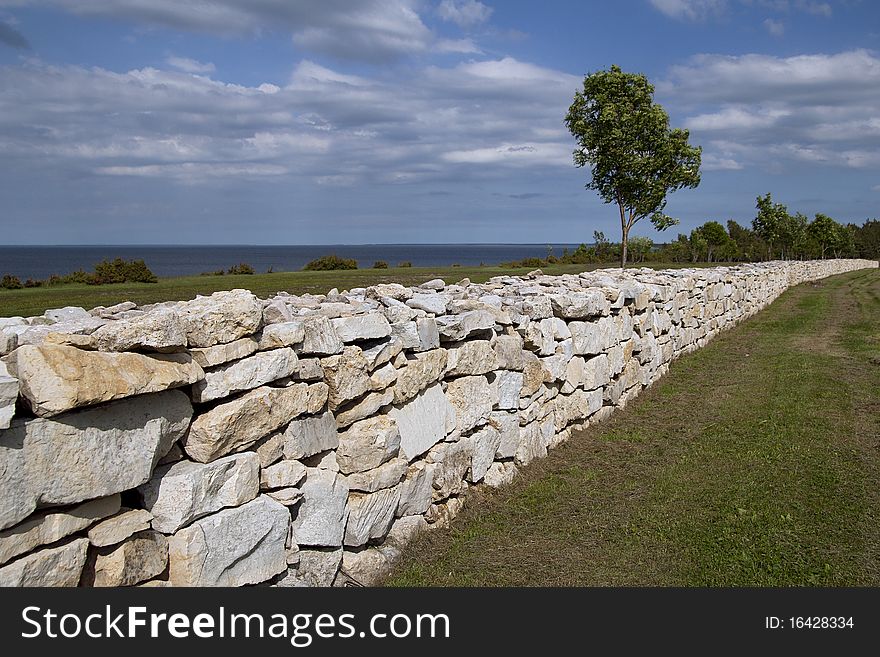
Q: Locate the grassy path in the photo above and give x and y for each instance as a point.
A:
(754, 462)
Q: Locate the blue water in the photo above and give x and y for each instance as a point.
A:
(40, 262)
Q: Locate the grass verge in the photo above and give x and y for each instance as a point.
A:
(754, 462)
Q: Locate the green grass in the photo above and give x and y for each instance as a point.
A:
(34, 301)
(754, 462)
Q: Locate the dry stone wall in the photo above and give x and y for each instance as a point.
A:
(304, 440)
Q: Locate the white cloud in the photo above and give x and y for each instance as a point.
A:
(464, 13)
(764, 110)
(689, 9)
(774, 27)
(323, 126)
(188, 65)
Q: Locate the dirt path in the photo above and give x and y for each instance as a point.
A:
(756, 461)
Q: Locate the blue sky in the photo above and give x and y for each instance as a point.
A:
(413, 121)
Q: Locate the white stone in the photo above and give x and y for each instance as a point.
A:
(458, 327)
(246, 374)
(57, 566)
(452, 461)
(416, 489)
(235, 547)
(500, 474)
(485, 443)
(470, 358)
(386, 475)
(383, 377)
(423, 421)
(118, 528)
(420, 372)
(223, 353)
(361, 327)
(8, 396)
(220, 317)
(87, 454)
(185, 491)
(309, 435)
(320, 520)
(507, 424)
(472, 399)
(138, 559)
(429, 336)
(371, 515)
(508, 352)
(245, 420)
(51, 526)
(347, 375)
(56, 378)
(283, 474)
(285, 334)
(319, 336)
(367, 444)
(160, 330)
(364, 408)
(315, 568)
(430, 303)
(579, 305)
(509, 388)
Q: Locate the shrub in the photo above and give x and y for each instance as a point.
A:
(10, 282)
(405, 263)
(54, 279)
(241, 268)
(456, 264)
(330, 263)
(120, 271)
(32, 283)
(380, 264)
(79, 276)
(137, 271)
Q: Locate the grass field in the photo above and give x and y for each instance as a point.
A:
(754, 462)
(34, 301)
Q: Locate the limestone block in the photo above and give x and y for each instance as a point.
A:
(472, 399)
(507, 424)
(416, 489)
(221, 317)
(319, 336)
(364, 408)
(361, 327)
(234, 547)
(430, 303)
(500, 474)
(56, 566)
(368, 444)
(315, 568)
(141, 557)
(119, 527)
(56, 378)
(508, 352)
(284, 474)
(246, 374)
(8, 396)
(160, 330)
(458, 327)
(87, 454)
(51, 526)
(347, 375)
(470, 358)
(309, 435)
(423, 421)
(284, 334)
(371, 515)
(386, 475)
(320, 520)
(223, 353)
(484, 444)
(420, 372)
(185, 491)
(429, 336)
(245, 420)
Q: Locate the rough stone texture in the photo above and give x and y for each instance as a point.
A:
(383, 377)
(423, 421)
(235, 547)
(283, 474)
(309, 435)
(579, 305)
(509, 385)
(361, 327)
(371, 515)
(385, 476)
(160, 330)
(473, 357)
(500, 474)
(472, 399)
(347, 376)
(244, 420)
(8, 396)
(51, 526)
(420, 372)
(416, 489)
(223, 353)
(221, 317)
(458, 327)
(246, 374)
(285, 334)
(507, 424)
(141, 557)
(452, 461)
(186, 491)
(87, 454)
(368, 444)
(57, 566)
(118, 528)
(321, 518)
(485, 443)
(56, 378)
(364, 408)
(319, 336)
(315, 568)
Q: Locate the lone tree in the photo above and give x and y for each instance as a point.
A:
(636, 159)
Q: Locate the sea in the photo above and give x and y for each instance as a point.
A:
(40, 262)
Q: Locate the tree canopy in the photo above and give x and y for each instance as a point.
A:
(636, 159)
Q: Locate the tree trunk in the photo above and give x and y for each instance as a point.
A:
(624, 234)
